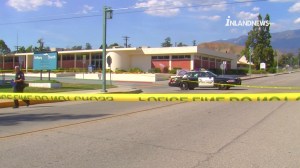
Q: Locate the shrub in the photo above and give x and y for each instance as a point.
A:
(165, 69)
(154, 70)
(109, 70)
(172, 71)
(272, 70)
(120, 70)
(136, 70)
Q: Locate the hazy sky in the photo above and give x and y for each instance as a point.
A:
(66, 23)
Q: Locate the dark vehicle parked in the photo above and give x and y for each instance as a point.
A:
(205, 79)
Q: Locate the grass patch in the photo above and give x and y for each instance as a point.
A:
(66, 87)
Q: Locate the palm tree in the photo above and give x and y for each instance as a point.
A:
(41, 42)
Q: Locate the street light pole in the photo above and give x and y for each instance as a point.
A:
(250, 55)
(277, 62)
(107, 14)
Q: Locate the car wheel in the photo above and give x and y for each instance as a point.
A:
(184, 86)
(222, 86)
(191, 88)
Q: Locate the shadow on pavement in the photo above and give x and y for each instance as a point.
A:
(17, 119)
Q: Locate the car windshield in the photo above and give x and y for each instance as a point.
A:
(181, 72)
(211, 74)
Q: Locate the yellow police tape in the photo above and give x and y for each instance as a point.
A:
(260, 97)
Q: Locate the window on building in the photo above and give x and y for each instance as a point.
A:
(204, 58)
(78, 57)
(8, 59)
(174, 57)
(96, 57)
(160, 57)
(68, 57)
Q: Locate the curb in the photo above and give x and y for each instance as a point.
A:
(21, 103)
(266, 75)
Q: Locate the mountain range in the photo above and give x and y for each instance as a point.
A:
(285, 42)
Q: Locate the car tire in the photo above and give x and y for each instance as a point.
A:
(191, 88)
(184, 86)
(222, 87)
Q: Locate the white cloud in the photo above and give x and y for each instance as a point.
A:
(244, 2)
(297, 21)
(211, 5)
(160, 7)
(247, 15)
(295, 7)
(87, 9)
(30, 5)
(173, 7)
(212, 18)
(255, 9)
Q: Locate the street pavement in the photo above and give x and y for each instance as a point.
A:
(168, 134)
(155, 134)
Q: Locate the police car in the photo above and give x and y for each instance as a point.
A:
(205, 79)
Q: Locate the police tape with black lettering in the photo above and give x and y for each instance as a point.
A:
(155, 97)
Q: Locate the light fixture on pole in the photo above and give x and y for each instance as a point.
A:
(107, 14)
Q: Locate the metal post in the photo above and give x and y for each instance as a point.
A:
(250, 55)
(107, 14)
(49, 75)
(277, 62)
(104, 51)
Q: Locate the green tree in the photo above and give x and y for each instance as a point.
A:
(30, 49)
(181, 44)
(3, 48)
(167, 43)
(47, 48)
(113, 45)
(259, 39)
(21, 49)
(286, 59)
(102, 46)
(88, 46)
(76, 48)
(298, 58)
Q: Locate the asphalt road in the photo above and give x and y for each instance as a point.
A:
(152, 134)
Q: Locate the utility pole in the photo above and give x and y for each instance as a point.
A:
(17, 46)
(126, 41)
(194, 42)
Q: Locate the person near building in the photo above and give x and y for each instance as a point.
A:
(19, 85)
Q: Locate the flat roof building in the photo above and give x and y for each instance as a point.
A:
(144, 58)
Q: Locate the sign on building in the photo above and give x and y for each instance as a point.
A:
(45, 61)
